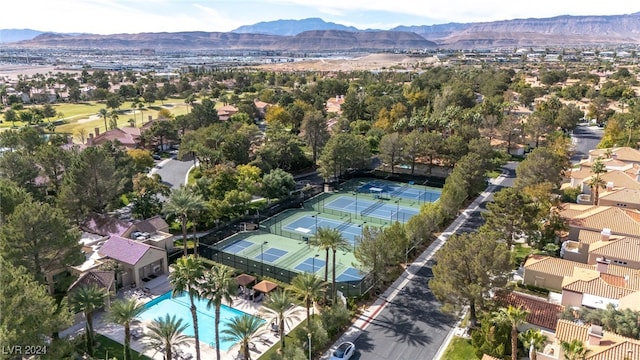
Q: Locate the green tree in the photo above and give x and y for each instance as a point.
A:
(219, 285)
(371, 253)
(491, 338)
(40, 238)
(165, 333)
(512, 211)
(125, 312)
(242, 329)
(391, 149)
(277, 184)
(468, 266)
(514, 317)
(182, 203)
(146, 195)
(104, 114)
(314, 131)
(533, 340)
(574, 350)
(344, 151)
(307, 287)
(29, 313)
(595, 182)
(543, 164)
(12, 195)
(186, 276)
(87, 300)
(279, 306)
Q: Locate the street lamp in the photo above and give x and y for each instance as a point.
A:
(309, 336)
(313, 263)
(355, 193)
(262, 257)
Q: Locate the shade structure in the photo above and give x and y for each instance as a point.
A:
(245, 279)
(265, 286)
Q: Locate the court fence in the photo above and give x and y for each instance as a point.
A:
(257, 268)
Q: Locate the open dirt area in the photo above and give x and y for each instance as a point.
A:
(366, 62)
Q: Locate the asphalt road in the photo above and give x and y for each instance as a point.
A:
(411, 325)
(585, 138)
(172, 171)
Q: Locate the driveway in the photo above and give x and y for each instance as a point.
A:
(172, 171)
(405, 322)
(585, 138)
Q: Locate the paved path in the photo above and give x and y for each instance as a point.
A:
(172, 171)
(405, 322)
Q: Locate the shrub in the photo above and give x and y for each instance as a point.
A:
(335, 319)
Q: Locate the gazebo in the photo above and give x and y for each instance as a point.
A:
(245, 279)
(265, 286)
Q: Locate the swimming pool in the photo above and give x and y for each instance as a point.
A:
(180, 307)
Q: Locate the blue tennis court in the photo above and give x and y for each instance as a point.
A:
(404, 191)
(308, 225)
(351, 274)
(380, 210)
(237, 246)
(310, 264)
(271, 255)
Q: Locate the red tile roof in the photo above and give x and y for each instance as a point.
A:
(541, 312)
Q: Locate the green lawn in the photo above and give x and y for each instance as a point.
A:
(110, 349)
(460, 349)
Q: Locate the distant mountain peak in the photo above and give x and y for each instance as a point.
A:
(291, 27)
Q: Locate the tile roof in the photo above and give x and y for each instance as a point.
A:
(598, 287)
(541, 312)
(152, 224)
(124, 250)
(553, 265)
(622, 195)
(488, 357)
(104, 279)
(568, 330)
(612, 346)
(623, 153)
(620, 221)
(620, 179)
(104, 225)
(627, 248)
(124, 137)
(626, 350)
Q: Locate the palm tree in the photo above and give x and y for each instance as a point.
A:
(597, 168)
(574, 350)
(323, 240)
(87, 300)
(279, 306)
(114, 119)
(141, 108)
(104, 114)
(513, 316)
(165, 333)
(327, 238)
(182, 202)
(124, 312)
(307, 287)
(242, 329)
(189, 101)
(218, 285)
(187, 272)
(534, 340)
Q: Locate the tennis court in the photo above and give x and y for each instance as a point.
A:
(307, 225)
(237, 246)
(310, 264)
(377, 209)
(271, 255)
(350, 274)
(406, 191)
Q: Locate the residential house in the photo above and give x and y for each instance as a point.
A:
(139, 262)
(591, 245)
(129, 137)
(626, 176)
(104, 280)
(619, 221)
(602, 345)
(595, 286)
(153, 231)
(225, 112)
(540, 313)
(624, 154)
(262, 107)
(333, 105)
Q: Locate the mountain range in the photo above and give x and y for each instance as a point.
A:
(314, 34)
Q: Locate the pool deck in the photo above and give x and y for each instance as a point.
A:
(159, 286)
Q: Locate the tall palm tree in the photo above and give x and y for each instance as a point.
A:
(323, 241)
(189, 101)
(219, 285)
(513, 316)
(165, 333)
(124, 312)
(87, 300)
(574, 350)
(182, 202)
(597, 168)
(242, 329)
(534, 340)
(104, 114)
(307, 287)
(185, 277)
(279, 306)
(141, 108)
(327, 238)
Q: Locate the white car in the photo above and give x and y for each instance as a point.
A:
(344, 351)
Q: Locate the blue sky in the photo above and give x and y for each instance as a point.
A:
(133, 16)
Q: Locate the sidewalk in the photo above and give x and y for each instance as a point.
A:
(363, 321)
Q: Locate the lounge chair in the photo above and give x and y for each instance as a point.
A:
(265, 340)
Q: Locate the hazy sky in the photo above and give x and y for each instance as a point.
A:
(133, 16)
